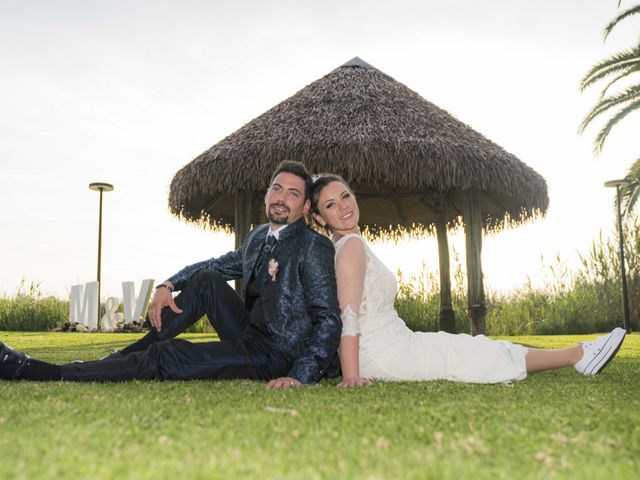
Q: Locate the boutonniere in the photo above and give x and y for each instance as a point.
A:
(273, 269)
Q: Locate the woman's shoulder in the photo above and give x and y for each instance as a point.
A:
(352, 243)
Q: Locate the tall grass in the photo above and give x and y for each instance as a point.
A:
(583, 301)
(28, 310)
(587, 300)
(418, 301)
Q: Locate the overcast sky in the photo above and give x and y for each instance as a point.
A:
(128, 92)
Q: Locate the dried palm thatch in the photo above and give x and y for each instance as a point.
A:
(402, 154)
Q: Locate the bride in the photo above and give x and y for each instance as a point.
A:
(376, 343)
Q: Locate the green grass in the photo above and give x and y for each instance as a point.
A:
(553, 425)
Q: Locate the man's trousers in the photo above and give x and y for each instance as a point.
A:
(242, 352)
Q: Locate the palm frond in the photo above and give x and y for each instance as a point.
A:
(629, 95)
(633, 69)
(631, 192)
(618, 62)
(627, 13)
(602, 134)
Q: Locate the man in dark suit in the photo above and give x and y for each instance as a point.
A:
(286, 330)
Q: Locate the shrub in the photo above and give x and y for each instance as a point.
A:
(585, 301)
(418, 301)
(29, 311)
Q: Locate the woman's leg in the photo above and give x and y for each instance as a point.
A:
(538, 360)
(588, 358)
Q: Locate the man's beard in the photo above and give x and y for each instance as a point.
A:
(278, 220)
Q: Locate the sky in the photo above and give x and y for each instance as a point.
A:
(127, 92)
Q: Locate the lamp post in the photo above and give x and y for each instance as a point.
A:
(618, 184)
(100, 187)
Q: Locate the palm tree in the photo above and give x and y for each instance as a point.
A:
(619, 66)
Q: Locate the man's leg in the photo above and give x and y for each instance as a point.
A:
(205, 293)
(182, 360)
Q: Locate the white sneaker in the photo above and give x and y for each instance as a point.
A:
(598, 353)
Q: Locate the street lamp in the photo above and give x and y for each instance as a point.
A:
(100, 187)
(618, 184)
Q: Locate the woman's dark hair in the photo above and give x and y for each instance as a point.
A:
(321, 181)
(299, 170)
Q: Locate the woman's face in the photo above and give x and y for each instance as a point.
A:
(338, 209)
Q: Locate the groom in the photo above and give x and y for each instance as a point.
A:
(286, 330)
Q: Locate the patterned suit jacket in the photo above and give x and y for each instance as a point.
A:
(300, 307)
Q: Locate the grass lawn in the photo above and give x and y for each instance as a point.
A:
(553, 425)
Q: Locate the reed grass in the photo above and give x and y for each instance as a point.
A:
(586, 300)
(29, 310)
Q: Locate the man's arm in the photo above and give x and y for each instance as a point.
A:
(321, 299)
(229, 266)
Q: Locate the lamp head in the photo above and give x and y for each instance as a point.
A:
(101, 187)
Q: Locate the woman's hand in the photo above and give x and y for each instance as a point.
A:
(355, 382)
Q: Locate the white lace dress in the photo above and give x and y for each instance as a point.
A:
(389, 350)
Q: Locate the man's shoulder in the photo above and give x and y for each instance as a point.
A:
(315, 237)
(317, 247)
(309, 235)
(257, 230)
(300, 231)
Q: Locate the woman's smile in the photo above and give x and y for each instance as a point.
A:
(338, 208)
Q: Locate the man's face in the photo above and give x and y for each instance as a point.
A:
(284, 201)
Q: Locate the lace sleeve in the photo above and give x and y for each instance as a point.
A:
(350, 271)
(350, 322)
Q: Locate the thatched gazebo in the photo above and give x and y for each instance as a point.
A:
(414, 167)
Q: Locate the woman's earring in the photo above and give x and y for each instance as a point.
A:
(319, 219)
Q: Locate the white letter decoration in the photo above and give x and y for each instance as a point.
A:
(84, 305)
(136, 308)
(111, 320)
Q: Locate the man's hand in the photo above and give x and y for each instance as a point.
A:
(284, 383)
(354, 382)
(162, 298)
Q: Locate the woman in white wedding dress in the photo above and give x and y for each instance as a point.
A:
(376, 343)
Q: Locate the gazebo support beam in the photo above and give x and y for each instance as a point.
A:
(212, 202)
(242, 223)
(447, 320)
(473, 235)
(396, 204)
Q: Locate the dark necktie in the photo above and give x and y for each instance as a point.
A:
(266, 249)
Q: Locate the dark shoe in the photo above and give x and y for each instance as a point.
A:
(12, 362)
(114, 354)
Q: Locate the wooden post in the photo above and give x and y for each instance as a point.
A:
(473, 232)
(447, 320)
(242, 224)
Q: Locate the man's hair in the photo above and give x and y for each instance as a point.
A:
(299, 170)
(321, 181)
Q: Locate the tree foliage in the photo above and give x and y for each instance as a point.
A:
(620, 96)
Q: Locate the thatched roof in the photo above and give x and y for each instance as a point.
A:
(395, 147)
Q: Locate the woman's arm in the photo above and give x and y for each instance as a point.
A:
(349, 362)
(350, 273)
